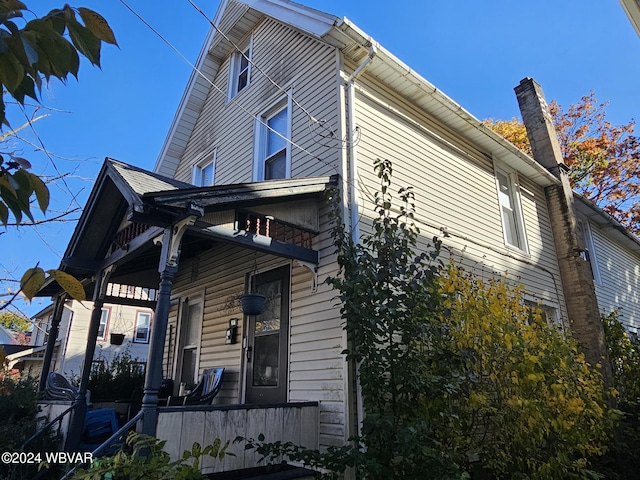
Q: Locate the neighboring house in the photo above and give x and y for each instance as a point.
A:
(287, 103)
(614, 257)
(133, 323)
(632, 9)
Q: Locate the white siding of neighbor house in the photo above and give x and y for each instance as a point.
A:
(620, 279)
(455, 188)
(72, 336)
(317, 369)
(293, 61)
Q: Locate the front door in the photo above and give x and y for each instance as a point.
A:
(267, 340)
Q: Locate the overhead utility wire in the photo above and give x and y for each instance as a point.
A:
(273, 82)
(233, 100)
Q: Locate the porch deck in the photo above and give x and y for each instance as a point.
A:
(182, 426)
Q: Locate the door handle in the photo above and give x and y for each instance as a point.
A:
(248, 353)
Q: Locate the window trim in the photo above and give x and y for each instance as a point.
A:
(261, 137)
(139, 313)
(235, 63)
(180, 336)
(549, 309)
(105, 333)
(515, 198)
(198, 168)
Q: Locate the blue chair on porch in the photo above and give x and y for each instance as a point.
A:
(204, 392)
(99, 425)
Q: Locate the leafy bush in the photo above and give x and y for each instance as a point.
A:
(622, 460)
(457, 376)
(533, 408)
(116, 379)
(18, 410)
(143, 458)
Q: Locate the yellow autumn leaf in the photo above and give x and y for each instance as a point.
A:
(31, 282)
(69, 283)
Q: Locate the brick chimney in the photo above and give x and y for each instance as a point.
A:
(575, 271)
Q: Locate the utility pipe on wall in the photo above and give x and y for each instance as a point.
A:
(351, 123)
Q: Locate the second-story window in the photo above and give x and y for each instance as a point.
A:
(240, 69)
(273, 152)
(204, 173)
(510, 210)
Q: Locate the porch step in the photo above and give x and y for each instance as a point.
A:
(273, 472)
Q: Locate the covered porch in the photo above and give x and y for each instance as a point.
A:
(201, 248)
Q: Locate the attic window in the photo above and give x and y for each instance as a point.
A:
(240, 69)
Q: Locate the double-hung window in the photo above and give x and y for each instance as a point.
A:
(510, 210)
(240, 69)
(104, 322)
(203, 174)
(273, 145)
(143, 327)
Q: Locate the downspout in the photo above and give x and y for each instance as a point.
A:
(351, 122)
(355, 193)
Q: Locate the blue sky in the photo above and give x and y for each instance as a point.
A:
(475, 52)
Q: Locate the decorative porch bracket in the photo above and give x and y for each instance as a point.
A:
(80, 404)
(313, 268)
(171, 241)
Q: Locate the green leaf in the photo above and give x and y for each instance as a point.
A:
(4, 213)
(97, 25)
(7, 6)
(9, 197)
(56, 19)
(27, 87)
(31, 282)
(32, 55)
(69, 283)
(41, 191)
(11, 70)
(84, 40)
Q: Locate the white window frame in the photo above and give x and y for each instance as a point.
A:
(139, 315)
(181, 344)
(198, 169)
(262, 137)
(589, 253)
(104, 320)
(515, 208)
(551, 310)
(236, 68)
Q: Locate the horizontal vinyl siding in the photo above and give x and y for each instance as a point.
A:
(292, 60)
(455, 189)
(317, 367)
(620, 274)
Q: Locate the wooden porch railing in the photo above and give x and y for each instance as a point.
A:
(182, 426)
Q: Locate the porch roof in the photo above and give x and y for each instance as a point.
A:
(124, 193)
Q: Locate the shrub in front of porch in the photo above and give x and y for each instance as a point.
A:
(117, 379)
